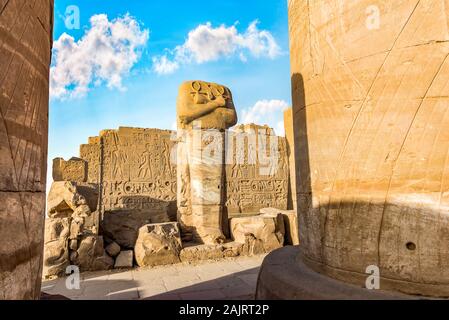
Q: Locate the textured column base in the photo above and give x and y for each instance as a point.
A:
(284, 276)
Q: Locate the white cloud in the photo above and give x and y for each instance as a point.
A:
(206, 43)
(164, 66)
(280, 129)
(262, 109)
(269, 112)
(104, 55)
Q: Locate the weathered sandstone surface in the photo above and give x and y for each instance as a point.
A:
(290, 223)
(125, 259)
(265, 231)
(158, 244)
(26, 29)
(74, 169)
(72, 230)
(369, 81)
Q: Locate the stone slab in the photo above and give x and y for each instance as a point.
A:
(125, 259)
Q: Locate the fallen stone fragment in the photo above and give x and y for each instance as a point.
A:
(65, 197)
(56, 249)
(103, 262)
(90, 248)
(123, 226)
(124, 259)
(193, 252)
(113, 249)
(265, 228)
(158, 244)
(290, 221)
(252, 246)
(232, 249)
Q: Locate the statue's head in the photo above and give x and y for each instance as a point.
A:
(205, 102)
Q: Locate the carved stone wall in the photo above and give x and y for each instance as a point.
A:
(25, 48)
(137, 179)
(256, 171)
(371, 123)
(136, 170)
(74, 170)
(91, 154)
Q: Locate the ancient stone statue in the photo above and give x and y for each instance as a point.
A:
(204, 110)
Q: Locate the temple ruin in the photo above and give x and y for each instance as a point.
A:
(157, 196)
(360, 181)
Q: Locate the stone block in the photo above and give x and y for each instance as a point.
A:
(264, 228)
(125, 259)
(123, 226)
(56, 258)
(136, 168)
(290, 222)
(198, 252)
(104, 262)
(158, 244)
(89, 249)
(113, 249)
(253, 184)
(65, 197)
(232, 249)
(74, 169)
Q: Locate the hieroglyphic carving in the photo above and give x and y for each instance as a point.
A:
(74, 169)
(137, 171)
(256, 170)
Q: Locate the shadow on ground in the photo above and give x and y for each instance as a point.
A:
(167, 284)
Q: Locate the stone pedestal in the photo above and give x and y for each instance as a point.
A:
(285, 276)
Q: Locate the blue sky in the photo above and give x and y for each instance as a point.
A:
(127, 90)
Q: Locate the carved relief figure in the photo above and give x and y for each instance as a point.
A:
(166, 163)
(118, 159)
(145, 163)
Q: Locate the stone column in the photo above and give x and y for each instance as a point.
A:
(289, 136)
(370, 109)
(25, 53)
